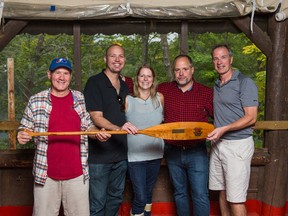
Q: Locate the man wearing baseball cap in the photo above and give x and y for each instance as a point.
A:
(60, 166)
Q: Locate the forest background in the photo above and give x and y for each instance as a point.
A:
(32, 55)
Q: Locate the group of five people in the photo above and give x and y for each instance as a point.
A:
(62, 163)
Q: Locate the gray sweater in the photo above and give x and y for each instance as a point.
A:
(143, 114)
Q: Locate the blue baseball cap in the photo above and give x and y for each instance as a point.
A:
(60, 62)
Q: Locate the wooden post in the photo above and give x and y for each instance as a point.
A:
(11, 101)
(77, 56)
(184, 38)
(276, 172)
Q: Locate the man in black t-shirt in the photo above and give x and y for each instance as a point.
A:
(105, 95)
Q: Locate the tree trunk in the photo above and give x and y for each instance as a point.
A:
(145, 49)
(166, 56)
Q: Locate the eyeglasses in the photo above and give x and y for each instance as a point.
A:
(121, 103)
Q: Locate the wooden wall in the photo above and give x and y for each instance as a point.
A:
(16, 180)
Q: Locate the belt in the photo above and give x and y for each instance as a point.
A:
(184, 147)
(187, 147)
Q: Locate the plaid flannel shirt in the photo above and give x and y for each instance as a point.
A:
(194, 105)
(36, 118)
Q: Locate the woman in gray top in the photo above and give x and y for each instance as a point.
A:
(144, 109)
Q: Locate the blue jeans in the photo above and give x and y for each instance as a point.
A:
(106, 186)
(143, 176)
(188, 169)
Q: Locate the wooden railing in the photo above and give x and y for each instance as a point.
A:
(260, 125)
(261, 156)
(271, 125)
(9, 125)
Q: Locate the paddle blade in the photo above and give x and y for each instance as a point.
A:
(179, 130)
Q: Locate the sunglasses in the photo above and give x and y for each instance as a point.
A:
(121, 103)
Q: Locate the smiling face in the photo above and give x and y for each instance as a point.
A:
(60, 81)
(222, 61)
(145, 78)
(115, 59)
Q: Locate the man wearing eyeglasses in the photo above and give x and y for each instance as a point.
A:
(105, 95)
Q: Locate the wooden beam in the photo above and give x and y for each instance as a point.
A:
(24, 158)
(77, 56)
(276, 103)
(16, 158)
(271, 125)
(184, 38)
(260, 125)
(9, 125)
(258, 37)
(10, 30)
(129, 25)
(11, 101)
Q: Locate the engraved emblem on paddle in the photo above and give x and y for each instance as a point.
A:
(198, 131)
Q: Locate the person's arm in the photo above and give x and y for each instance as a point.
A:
(100, 136)
(249, 119)
(101, 122)
(26, 123)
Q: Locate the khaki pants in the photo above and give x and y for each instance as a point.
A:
(73, 193)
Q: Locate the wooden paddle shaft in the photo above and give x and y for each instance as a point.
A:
(71, 133)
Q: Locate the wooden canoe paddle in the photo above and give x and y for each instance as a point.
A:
(169, 131)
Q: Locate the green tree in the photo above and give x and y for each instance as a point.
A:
(260, 79)
(33, 53)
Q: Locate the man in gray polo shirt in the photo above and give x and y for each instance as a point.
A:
(235, 112)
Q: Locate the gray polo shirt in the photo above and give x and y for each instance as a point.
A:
(230, 99)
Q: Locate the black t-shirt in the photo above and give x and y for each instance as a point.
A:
(100, 95)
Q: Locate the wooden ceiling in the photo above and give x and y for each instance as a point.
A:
(128, 26)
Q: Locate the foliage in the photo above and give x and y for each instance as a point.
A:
(32, 55)
(200, 50)
(260, 76)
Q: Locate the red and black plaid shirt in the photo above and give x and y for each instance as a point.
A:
(194, 105)
(129, 82)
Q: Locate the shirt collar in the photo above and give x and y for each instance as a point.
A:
(233, 78)
(190, 89)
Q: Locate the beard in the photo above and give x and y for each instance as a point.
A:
(183, 82)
